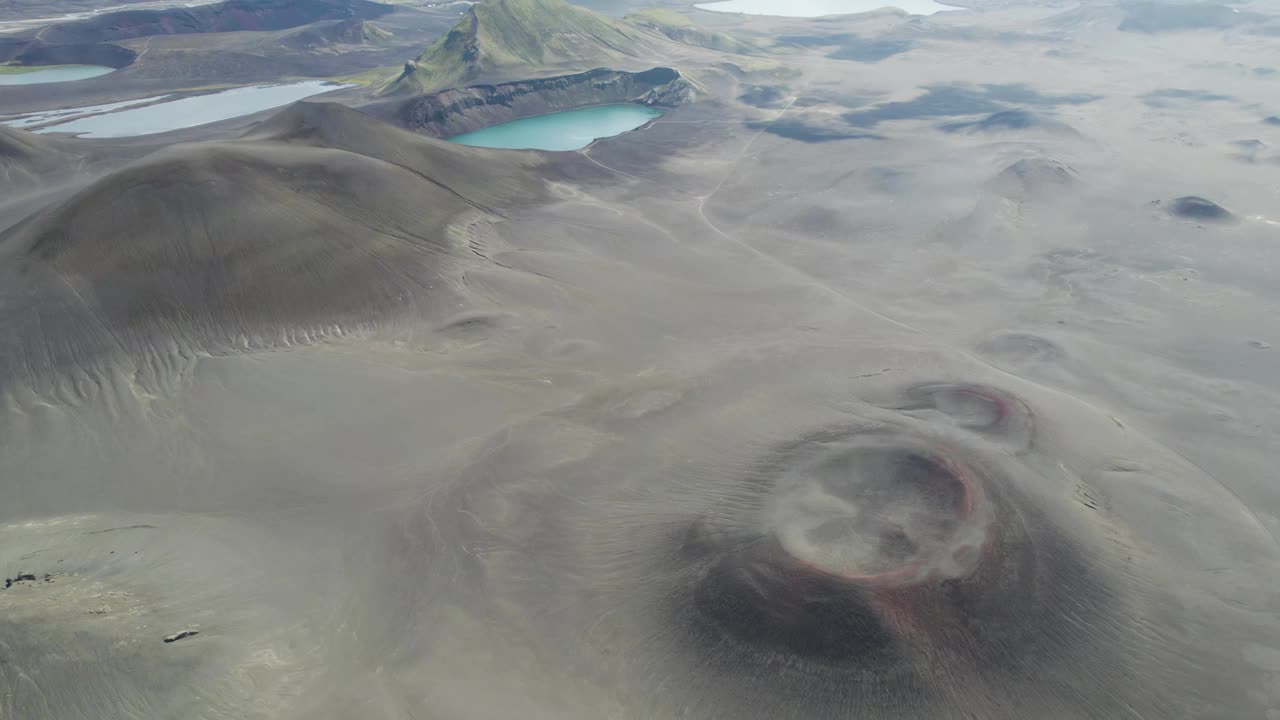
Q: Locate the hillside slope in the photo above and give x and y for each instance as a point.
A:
(226, 16)
(27, 160)
(322, 215)
(498, 36)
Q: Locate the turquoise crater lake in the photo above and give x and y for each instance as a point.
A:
(568, 130)
(21, 75)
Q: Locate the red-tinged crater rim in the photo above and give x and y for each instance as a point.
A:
(881, 512)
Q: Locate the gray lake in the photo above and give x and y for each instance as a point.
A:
(178, 114)
(51, 74)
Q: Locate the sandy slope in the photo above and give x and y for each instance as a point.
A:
(411, 430)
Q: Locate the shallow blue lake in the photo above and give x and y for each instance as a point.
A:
(60, 73)
(568, 130)
(186, 112)
(818, 8)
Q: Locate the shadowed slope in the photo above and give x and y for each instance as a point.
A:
(323, 219)
(1003, 121)
(474, 176)
(28, 160)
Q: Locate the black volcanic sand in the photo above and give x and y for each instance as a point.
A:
(705, 421)
(374, 400)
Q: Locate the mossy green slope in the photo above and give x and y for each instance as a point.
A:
(501, 34)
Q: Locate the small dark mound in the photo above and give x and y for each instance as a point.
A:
(763, 96)
(1272, 120)
(1192, 207)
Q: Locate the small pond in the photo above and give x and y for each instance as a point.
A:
(36, 74)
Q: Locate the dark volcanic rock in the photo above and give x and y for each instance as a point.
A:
(459, 110)
(1192, 207)
(1272, 120)
(21, 577)
(180, 635)
(1004, 121)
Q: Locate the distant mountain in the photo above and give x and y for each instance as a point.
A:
(338, 33)
(681, 29)
(226, 16)
(496, 36)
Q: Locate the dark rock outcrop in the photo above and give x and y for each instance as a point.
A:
(180, 635)
(1007, 120)
(1192, 207)
(455, 111)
